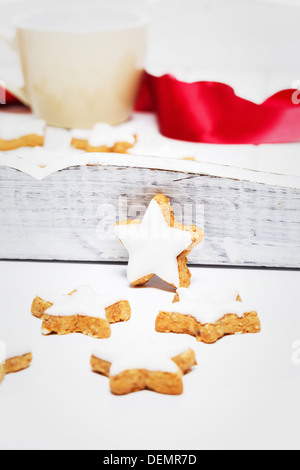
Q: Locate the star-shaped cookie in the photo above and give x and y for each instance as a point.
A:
(143, 364)
(13, 361)
(21, 131)
(81, 311)
(158, 245)
(207, 316)
(104, 138)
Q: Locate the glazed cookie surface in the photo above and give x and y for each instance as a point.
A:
(21, 131)
(15, 362)
(81, 311)
(158, 245)
(208, 316)
(104, 138)
(144, 365)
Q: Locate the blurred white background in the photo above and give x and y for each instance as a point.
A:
(252, 45)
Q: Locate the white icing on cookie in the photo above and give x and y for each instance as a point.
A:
(153, 246)
(13, 344)
(105, 135)
(84, 301)
(16, 126)
(208, 307)
(80, 134)
(140, 353)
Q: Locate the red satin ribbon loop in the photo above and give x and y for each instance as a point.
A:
(211, 112)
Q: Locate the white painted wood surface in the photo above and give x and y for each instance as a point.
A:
(261, 370)
(250, 218)
(265, 161)
(61, 203)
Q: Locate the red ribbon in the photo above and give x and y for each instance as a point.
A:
(211, 112)
(9, 98)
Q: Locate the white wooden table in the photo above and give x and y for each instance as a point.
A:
(244, 393)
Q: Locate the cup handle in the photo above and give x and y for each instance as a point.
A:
(19, 92)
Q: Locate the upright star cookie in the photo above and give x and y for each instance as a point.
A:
(21, 131)
(208, 317)
(81, 311)
(104, 138)
(142, 365)
(158, 245)
(16, 361)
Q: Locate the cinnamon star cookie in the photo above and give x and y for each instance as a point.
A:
(142, 365)
(208, 316)
(18, 360)
(81, 311)
(104, 138)
(158, 245)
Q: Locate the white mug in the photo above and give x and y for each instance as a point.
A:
(80, 65)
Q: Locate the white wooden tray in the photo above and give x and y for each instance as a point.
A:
(67, 209)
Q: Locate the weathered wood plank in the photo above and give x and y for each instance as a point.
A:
(70, 214)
